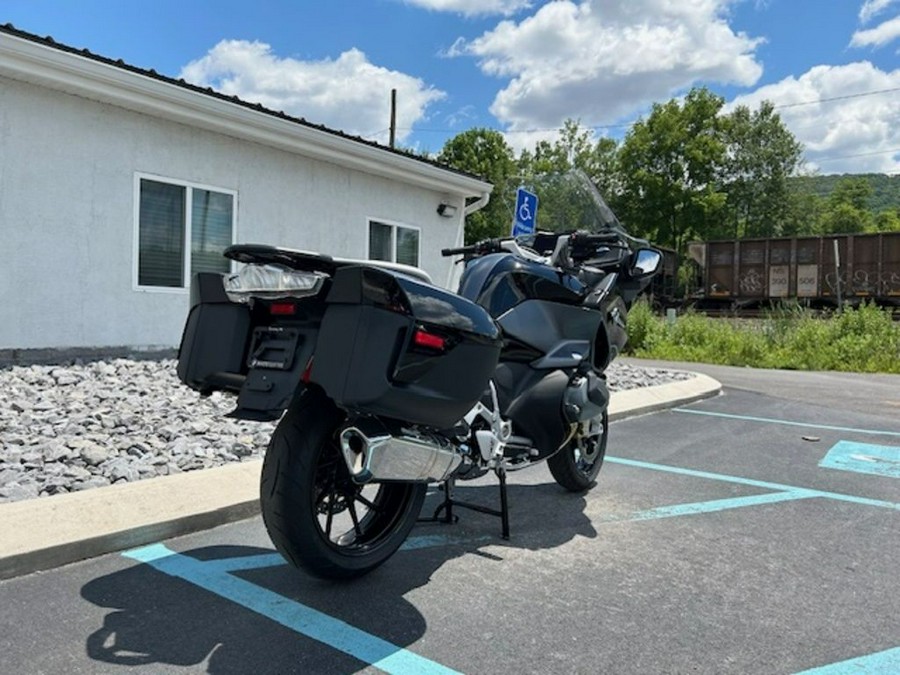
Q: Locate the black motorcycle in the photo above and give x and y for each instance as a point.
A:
(385, 383)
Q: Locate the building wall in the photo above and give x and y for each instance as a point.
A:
(67, 211)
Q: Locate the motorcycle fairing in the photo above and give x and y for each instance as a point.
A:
(500, 281)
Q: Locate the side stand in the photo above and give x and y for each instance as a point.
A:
(449, 502)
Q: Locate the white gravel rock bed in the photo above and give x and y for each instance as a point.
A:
(70, 428)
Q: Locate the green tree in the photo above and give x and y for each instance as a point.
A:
(574, 149)
(852, 190)
(847, 210)
(804, 213)
(485, 153)
(670, 165)
(844, 218)
(887, 221)
(761, 155)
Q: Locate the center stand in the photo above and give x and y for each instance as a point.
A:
(449, 502)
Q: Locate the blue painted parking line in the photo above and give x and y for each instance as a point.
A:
(772, 420)
(435, 540)
(881, 663)
(710, 506)
(294, 615)
(242, 563)
(253, 562)
(880, 460)
(779, 487)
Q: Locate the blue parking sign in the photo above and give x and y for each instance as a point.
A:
(525, 216)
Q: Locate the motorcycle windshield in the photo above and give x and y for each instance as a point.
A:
(569, 202)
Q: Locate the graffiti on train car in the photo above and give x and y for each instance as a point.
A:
(814, 269)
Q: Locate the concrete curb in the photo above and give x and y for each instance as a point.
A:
(650, 399)
(40, 534)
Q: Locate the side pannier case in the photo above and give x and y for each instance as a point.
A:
(391, 345)
(214, 343)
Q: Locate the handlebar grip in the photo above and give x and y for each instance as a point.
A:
(478, 248)
(446, 252)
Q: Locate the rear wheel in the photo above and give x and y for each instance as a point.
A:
(576, 466)
(317, 517)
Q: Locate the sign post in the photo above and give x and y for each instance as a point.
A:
(526, 212)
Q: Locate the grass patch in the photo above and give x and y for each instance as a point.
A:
(862, 339)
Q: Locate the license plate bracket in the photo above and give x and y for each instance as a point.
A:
(273, 347)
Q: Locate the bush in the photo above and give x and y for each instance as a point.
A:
(864, 339)
(643, 326)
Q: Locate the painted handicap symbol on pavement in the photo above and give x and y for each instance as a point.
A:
(879, 460)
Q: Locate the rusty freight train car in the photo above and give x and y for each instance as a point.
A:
(816, 270)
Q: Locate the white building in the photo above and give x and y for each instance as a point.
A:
(117, 183)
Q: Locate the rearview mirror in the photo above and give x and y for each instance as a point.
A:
(646, 262)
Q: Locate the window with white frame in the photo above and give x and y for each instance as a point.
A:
(181, 229)
(393, 243)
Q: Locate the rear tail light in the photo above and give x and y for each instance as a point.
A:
(283, 309)
(272, 283)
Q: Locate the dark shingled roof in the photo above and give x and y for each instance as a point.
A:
(48, 41)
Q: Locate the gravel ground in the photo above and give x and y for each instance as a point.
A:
(70, 428)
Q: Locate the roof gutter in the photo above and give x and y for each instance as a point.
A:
(479, 204)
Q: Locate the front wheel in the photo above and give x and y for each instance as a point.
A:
(575, 466)
(317, 517)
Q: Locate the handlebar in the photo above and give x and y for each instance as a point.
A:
(462, 250)
(577, 246)
(478, 248)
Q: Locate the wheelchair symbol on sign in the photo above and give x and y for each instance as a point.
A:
(525, 213)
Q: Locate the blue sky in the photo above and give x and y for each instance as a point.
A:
(518, 66)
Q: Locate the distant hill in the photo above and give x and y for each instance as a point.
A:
(885, 189)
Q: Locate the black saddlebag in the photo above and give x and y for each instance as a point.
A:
(393, 346)
(214, 343)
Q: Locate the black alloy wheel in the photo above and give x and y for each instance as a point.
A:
(576, 466)
(317, 517)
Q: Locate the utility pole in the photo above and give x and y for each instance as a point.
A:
(393, 116)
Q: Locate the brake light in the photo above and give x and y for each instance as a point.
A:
(283, 308)
(429, 341)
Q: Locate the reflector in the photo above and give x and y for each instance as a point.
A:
(423, 339)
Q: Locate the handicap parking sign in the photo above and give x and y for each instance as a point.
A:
(526, 212)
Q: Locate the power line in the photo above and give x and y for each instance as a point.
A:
(838, 98)
(862, 154)
(624, 125)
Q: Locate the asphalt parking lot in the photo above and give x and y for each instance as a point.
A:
(745, 533)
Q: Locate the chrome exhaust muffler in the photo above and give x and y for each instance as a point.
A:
(373, 454)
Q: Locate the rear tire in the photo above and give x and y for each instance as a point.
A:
(317, 517)
(576, 466)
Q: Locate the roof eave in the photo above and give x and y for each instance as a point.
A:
(23, 59)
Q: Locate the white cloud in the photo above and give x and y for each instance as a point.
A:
(347, 93)
(600, 60)
(473, 7)
(879, 36)
(843, 135)
(527, 140)
(872, 8)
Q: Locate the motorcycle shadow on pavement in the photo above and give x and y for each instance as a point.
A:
(158, 618)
